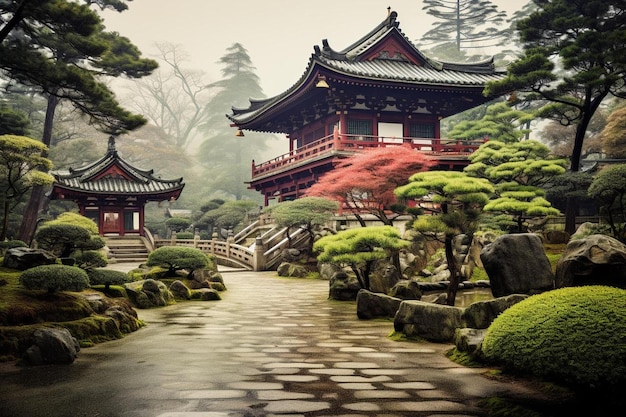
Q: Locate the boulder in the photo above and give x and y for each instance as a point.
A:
(406, 290)
(469, 340)
(180, 290)
(287, 269)
(52, 346)
(433, 322)
(25, 258)
(149, 293)
(480, 314)
(517, 264)
(593, 260)
(370, 305)
(343, 287)
(205, 294)
(383, 276)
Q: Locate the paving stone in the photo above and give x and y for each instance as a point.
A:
(381, 394)
(296, 406)
(297, 378)
(361, 406)
(425, 406)
(212, 394)
(282, 395)
(357, 365)
(409, 385)
(256, 385)
(342, 378)
(356, 386)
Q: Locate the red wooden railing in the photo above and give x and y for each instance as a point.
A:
(445, 148)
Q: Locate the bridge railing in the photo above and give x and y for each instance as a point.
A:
(263, 254)
(225, 249)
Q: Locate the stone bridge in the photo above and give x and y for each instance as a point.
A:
(258, 247)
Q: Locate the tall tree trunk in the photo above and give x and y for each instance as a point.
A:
(38, 193)
(454, 271)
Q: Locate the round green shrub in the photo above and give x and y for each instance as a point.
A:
(184, 235)
(108, 277)
(178, 224)
(574, 335)
(175, 258)
(55, 278)
(90, 259)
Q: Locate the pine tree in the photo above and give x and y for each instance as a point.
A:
(227, 158)
(574, 58)
(463, 25)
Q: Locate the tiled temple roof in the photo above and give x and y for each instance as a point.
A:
(384, 55)
(113, 175)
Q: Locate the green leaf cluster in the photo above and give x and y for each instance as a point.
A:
(608, 188)
(307, 211)
(359, 244)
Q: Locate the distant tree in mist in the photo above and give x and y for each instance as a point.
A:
(227, 158)
(173, 97)
(462, 26)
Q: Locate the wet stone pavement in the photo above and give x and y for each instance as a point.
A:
(271, 347)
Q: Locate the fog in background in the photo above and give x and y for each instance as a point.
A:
(278, 34)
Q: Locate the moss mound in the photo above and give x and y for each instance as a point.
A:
(573, 335)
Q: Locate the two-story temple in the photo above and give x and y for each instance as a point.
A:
(380, 91)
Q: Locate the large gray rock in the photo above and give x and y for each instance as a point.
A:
(440, 322)
(180, 290)
(370, 305)
(434, 322)
(52, 346)
(480, 314)
(25, 258)
(593, 260)
(294, 270)
(517, 264)
(469, 340)
(406, 290)
(149, 293)
(343, 287)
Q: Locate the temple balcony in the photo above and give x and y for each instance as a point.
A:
(449, 153)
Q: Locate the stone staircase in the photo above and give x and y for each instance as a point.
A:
(125, 249)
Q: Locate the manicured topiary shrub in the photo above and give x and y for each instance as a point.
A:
(574, 335)
(184, 235)
(108, 277)
(90, 259)
(55, 278)
(176, 258)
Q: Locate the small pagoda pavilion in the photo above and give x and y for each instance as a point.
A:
(114, 193)
(380, 91)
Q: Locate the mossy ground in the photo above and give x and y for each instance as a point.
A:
(23, 311)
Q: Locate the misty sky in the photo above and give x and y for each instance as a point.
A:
(278, 34)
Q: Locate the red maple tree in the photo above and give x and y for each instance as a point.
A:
(364, 182)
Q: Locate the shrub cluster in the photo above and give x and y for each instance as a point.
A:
(175, 258)
(575, 335)
(108, 277)
(55, 278)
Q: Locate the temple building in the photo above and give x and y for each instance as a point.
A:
(113, 193)
(380, 91)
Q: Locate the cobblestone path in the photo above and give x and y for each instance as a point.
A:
(271, 347)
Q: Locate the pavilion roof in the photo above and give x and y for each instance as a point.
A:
(383, 58)
(111, 175)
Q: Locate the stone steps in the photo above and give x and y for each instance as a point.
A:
(127, 249)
